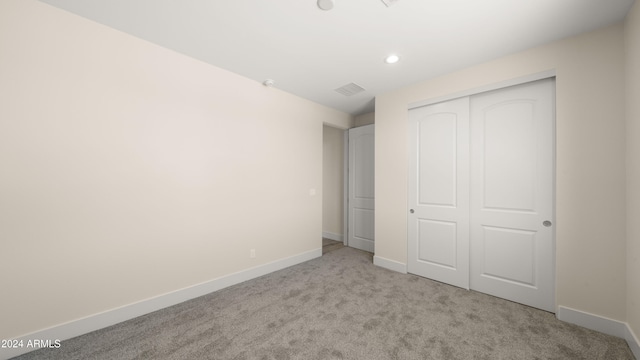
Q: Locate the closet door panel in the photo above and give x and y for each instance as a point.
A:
(439, 192)
(512, 149)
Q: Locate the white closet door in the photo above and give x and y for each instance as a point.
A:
(361, 205)
(512, 152)
(438, 245)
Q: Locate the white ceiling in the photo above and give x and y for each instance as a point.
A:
(310, 52)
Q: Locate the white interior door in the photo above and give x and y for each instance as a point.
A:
(361, 203)
(512, 152)
(439, 192)
(481, 193)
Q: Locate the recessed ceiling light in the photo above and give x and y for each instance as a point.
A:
(325, 4)
(392, 59)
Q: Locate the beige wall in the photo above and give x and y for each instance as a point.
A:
(632, 42)
(130, 171)
(365, 119)
(590, 179)
(333, 181)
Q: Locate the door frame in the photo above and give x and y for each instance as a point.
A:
(345, 194)
(489, 87)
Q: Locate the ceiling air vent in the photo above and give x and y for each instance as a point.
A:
(350, 89)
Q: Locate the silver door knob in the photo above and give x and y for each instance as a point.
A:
(546, 223)
(411, 211)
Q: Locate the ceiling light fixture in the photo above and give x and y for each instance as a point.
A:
(392, 59)
(325, 4)
(268, 83)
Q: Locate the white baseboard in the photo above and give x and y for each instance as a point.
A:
(633, 342)
(591, 321)
(332, 236)
(111, 317)
(601, 324)
(390, 264)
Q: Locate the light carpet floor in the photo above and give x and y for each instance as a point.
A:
(341, 306)
(330, 245)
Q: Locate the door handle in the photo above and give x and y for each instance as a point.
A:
(547, 223)
(411, 211)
